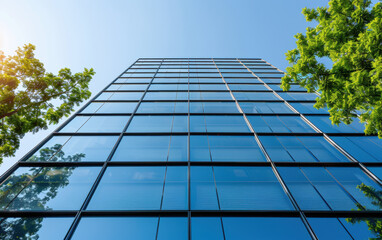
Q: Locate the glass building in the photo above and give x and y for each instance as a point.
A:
(197, 149)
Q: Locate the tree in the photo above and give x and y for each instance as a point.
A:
(349, 36)
(28, 93)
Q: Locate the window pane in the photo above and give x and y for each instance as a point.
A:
(96, 124)
(206, 80)
(173, 228)
(164, 87)
(265, 107)
(301, 149)
(307, 108)
(77, 149)
(249, 228)
(255, 96)
(47, 188)
(279, 124)
(213, 107)
(163, 107)
(158, 124)
(116, 228)
(127, 87)
(218, 124)
(248, 87)
(210, 96)
(203, 190)
(162, 148)
(141, 188)
(206, 228)
(225, 148)
(363, 148)
(325, 125)
(166, 96)
(298, 96)
(377, 171)
(250, 188)
(110, 107)
(120, 96)
(216, 87)
(35, 228)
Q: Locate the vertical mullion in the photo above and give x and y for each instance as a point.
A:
(188, 153)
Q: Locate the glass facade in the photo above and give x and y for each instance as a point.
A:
(196, 149)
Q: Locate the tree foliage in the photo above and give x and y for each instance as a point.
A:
(28, 94)
(348, 34)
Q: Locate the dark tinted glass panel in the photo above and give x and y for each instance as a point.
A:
(206, 228)
(141, 188)
(255, 96)
(325, 125)
(116, 228)
(162, 148)
(75, 149)
(225, 148)
(265, 107)
(158, 124)
(110, 107)
(301, 149)
(213, 107)
(35, 228)
(218, 124)
(250, 188)
(364, 148)
(96, 124)
(249, 228)
(279, 124)
(45, 188)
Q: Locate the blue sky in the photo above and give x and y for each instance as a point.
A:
(111, 35)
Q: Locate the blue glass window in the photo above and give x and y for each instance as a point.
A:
(265, 107)
(250, 188)
(34, 228)
(132, 96)
(165, 87)
(270, 74)
(75, 149)
(153, 123)
(163, 107)
(249, 228)
(238, 75)
(210, 96)
(255, 96)
(307, 108)
(127, 87)
(206, 228)
(213, 107)
(298, 96)
(248, 87)
(363, 148)
(221, 123)
(332, 188)
(110, 107)
(96, 124)
(345, 228)
(170, 80)
(162, 148)
(173, 228)
(116, 228)
(325, 125)
(203, 189)
(377, 171)
(214, 87)
(301, 149)
(47, 188)
(141, 188)
(241, 80)
(225, 148)
(277, 87)
(279, 124)
(133, 80)
(206, 80)
(166, 96)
